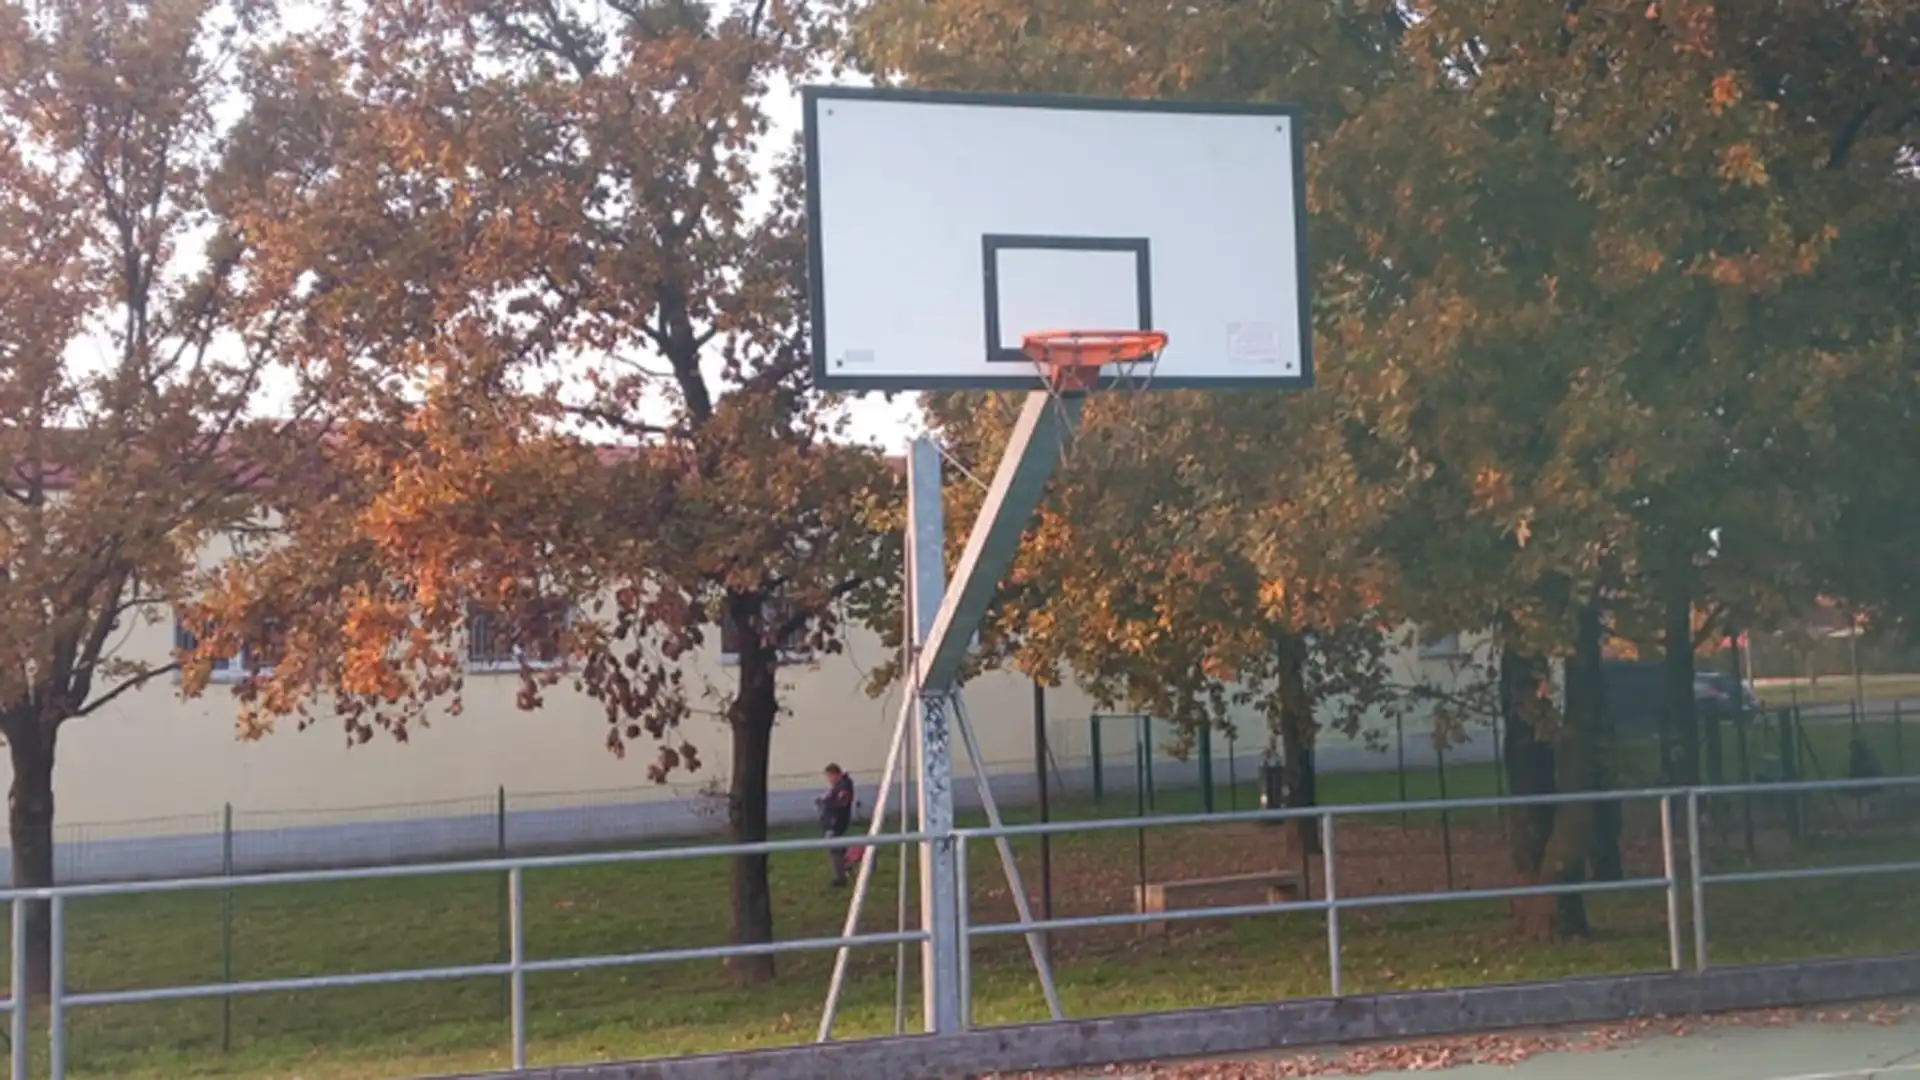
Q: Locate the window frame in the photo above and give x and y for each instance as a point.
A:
(227, 670)
(1444, 647)
(494, 663)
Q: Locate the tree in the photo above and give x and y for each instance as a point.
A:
(540, 225)
(128, 370)
(1576, 238)
(1166, 573)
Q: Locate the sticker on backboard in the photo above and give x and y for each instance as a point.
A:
(1254, 343)
(856, 358)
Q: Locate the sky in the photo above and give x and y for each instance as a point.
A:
(872, 418)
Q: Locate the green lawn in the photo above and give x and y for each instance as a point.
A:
(1836, 689)
(657, 1010)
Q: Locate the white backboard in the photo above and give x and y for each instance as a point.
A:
(944, 227)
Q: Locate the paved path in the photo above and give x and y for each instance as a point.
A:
(1801, 1052)
(1874, 1042)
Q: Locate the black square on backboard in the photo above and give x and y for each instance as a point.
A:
(992, 244)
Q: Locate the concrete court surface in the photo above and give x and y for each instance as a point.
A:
(1850, 1048)
(1801, 1052)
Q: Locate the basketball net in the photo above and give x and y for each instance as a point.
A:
(1111, 368)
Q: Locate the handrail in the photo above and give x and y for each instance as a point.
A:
(953, 845)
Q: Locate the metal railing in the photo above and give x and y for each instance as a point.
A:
(1688, 802)
(515, 968)
(1332, 903)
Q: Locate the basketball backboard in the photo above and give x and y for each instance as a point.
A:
(944, 227)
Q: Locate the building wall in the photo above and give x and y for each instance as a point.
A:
(155, 784)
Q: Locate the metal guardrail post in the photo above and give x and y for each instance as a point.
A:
(963, 914)
(226, 928)
(57, 988)
(516, 962)
(1330, 861)
(1669, 865)
(18, 1021)
(1696, 862)
(943, 970)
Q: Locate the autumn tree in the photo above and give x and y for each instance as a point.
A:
(129, 374)
(547, 226)
(1576, 236)
(1153, 578)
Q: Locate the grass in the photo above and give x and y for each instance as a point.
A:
(422, 1029)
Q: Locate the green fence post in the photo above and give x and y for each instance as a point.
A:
(1206, 769)
(1790, 766)
(1233, 773)
(1746, 777)
(1446, 819)
(1146, 759)
(1400, 768)
(226, 928)
(1099, 761)
(1899, 741)
(505, 901)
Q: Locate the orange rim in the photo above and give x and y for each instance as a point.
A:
(1072, 359)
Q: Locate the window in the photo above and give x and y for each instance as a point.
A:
(1444, 647)
(776, 613)
(534, 637)
(253, 661)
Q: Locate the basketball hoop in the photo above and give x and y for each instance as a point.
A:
(1073, 361)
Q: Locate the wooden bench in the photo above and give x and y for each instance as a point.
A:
(1279, 887)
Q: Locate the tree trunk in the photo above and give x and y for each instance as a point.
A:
(1570, 850)
(1297, 729)
(1680, 721)
(754, 709)
(1594, 729)
(1528, 752)
(30, 743)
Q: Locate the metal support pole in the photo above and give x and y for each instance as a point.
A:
(517, 959)
(1899, 742)
(900, 897)
(17, 1027)
(226, 928)
(947, 618)
(963, 913)
(941, 971)
(1046, 802)
(1695, 871)
(1146, 760)
(1233, 778)
(1036, 941)
(1670, 867)
(1400, 753)
(906, 729)
(863, 877)
(1099, 762)
(57, 989)
(1330, 860)
(1206, 769)
(926, 600)
(1446, 819)
(503, 900)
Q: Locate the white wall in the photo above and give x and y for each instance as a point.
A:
(152, 765)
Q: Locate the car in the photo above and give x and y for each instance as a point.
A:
(1721, 689)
